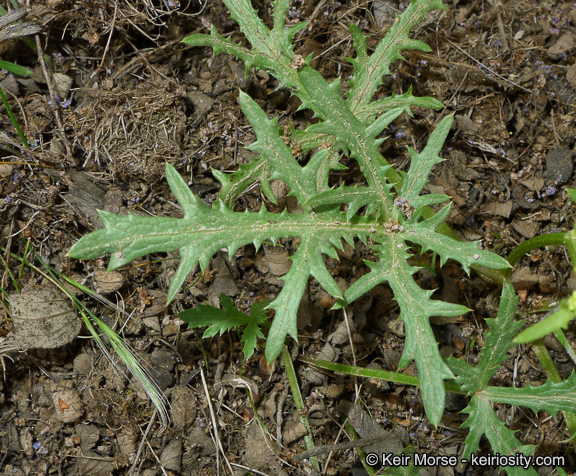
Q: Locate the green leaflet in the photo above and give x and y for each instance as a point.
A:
(553, 323)
(204, 230)
(552, 397)
(228, 318)
(421, 164)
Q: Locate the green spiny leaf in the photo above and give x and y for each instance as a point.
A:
(464, 252)
(499, 338)
(421, 164)
(306, 261)
(258, 169)
(368, 71)
(483, 421)
(404, 101)
(497, 344)
(416, 308)
(551, 397)
(279, 157)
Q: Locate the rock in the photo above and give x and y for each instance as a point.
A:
(44, 318)
(563, 46)
(559, 164)
(527, 229)
(68, 405)
(62, 84)
(571, 76)
(108, 282)
(523, 278)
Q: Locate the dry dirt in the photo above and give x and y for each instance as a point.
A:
(131, 97)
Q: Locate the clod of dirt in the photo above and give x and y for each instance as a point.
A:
(62, 84)
(527, 229)
(171, 457)
(277, 260)
(157, 301)
(127, 441)
(293, 431)
(6, 170)
(183, 408)
(83, 364)
(329, 353)
(564, 44)
(331, 391)
(384, 11)
(223, 283)
(163, 359)
(43, 318)
(559, 164)
(68, 405)
(10, 84)
(497, 209)
(523, 278)
(202, 105)
(571, 76)
(108, 282)
(524, 198)
(88, 435)
(368, 428)
(397, 327)
(198, 438)
(260, 453)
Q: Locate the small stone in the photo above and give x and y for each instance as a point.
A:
(68, 405)
(564, 45)
(108, 282)
(83, 364)
(44, 318)
(559, 165)
(62, 84)
(397, 328)
(163, 359)
(523, 278)
(527, 229)
(158, 301)
(455, 402)
(5, 170)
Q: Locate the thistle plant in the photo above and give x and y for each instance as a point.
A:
(388, 213)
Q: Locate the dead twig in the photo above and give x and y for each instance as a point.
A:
(10, 32)
(55, 106)
(216, 436)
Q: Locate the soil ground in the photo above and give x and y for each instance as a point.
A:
(132, 97)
